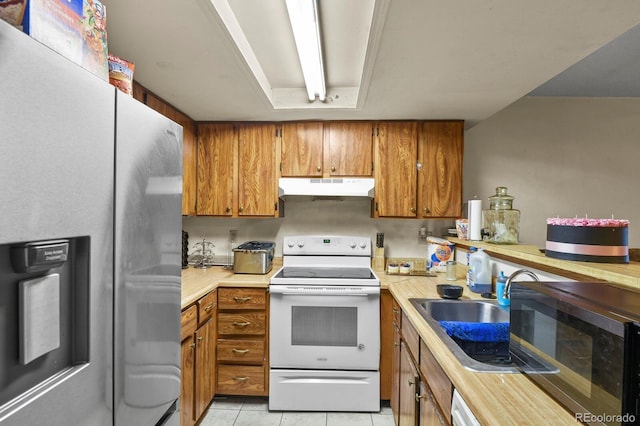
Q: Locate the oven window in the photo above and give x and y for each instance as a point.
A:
(324, 326)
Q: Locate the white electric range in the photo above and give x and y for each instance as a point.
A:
(325, 326)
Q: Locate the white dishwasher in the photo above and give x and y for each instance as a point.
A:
(461, 414)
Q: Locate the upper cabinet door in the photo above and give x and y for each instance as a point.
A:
(396, 169)
(350, 148)
(215, 169)
(257, 179)
(302, 149)
(440, 177)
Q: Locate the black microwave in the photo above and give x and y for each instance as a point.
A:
(590, 333)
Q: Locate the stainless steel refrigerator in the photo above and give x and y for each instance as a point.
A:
(90, 243)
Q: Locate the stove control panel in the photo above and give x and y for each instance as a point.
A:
(327, 245)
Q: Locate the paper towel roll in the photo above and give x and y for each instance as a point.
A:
(475, 219)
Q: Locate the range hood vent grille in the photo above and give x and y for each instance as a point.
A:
(331, 187)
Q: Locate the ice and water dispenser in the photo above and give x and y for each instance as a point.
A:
(44, 311)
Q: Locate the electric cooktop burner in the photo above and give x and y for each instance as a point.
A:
(325, 272)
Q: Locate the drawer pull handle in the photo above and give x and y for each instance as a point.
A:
(242, 299)
(240, 351)
(419, 397)
(241, 324)
(208, 307)
(193, 345)
(241, 379)
(200, 338)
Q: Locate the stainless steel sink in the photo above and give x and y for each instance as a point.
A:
(464, 310)
(435, 310)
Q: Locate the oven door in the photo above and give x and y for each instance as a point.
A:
(324, 327)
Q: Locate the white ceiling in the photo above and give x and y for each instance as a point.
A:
(422, 59)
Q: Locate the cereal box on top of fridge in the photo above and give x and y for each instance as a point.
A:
(12, 11)
(57, 24)
(94, 46)
(121, 74)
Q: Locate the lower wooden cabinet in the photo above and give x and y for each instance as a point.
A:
(409, 382)
(429, 413)
(242, 350)
(198, 358)
(187, 388)
(421, 392)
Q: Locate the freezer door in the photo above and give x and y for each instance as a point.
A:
(148, 244)
(57, 155)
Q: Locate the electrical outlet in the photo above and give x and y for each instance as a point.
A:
(423, 234)
(233, 235)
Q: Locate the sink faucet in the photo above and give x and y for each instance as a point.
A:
(507, 285)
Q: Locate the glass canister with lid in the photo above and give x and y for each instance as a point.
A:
(501, 221)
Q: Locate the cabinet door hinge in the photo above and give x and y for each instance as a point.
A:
(372, 166)
(376, 206)
(280, 167)
(275, 206)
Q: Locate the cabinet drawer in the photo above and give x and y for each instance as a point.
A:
(246, 351)
(188, 322)
(242, 298)
(241, 379)
(410, 335)
(244, 324)
(206, 307)
(437, 379)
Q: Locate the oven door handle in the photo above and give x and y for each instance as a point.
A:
(323, 291)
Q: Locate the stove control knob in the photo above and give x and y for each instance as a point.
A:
(290, 243)
(363, 244)
(300, 244)
(352, 244)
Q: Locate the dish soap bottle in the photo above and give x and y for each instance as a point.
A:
(501, 282)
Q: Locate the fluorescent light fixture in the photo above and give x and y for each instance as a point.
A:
(303, 15)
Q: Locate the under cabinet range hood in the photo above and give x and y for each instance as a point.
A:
(330, 187)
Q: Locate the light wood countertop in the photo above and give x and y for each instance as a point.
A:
(624, 275)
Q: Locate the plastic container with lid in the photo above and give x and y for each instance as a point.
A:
(501, 282)
(480, 272)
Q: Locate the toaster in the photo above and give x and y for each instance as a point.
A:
(253, 257)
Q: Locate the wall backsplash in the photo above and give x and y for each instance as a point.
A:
(305, 216)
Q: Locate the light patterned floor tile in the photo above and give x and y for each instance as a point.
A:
(291, 418)
(227, 403)
(218, 417)
(255, 404)
(382, 419)
(258, 418)
(351, 419)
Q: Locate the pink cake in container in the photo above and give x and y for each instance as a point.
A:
(588, 240)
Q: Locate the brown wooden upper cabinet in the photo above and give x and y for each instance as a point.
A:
(302, 149)
(350, 148)
(215, 169)
(440, 149)
(237, 170)
(395, 169)
(330, 149)
(257, 177)
(418, 169)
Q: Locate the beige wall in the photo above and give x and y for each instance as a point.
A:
(559, 157)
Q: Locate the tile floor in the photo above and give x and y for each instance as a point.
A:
(253, 411)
